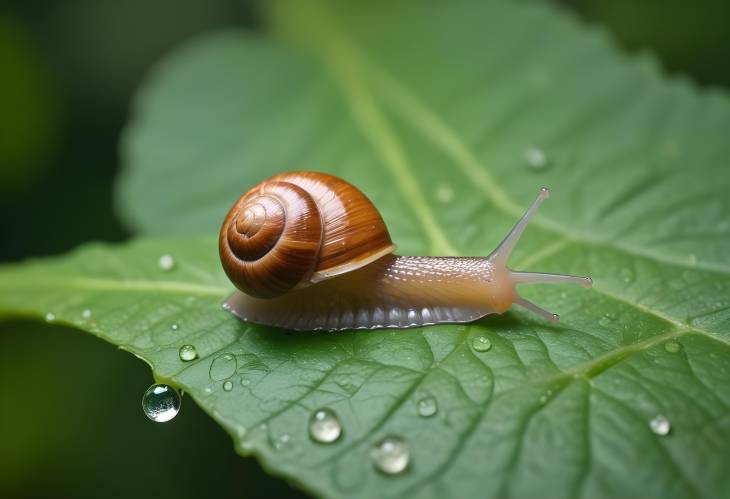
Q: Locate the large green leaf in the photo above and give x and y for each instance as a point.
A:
(431, 110)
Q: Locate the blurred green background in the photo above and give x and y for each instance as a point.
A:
(70, 421)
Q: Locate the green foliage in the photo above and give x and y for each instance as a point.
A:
(434, 112)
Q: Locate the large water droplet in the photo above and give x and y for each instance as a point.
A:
(166, 262)
(536, 158)
(672, 347)
(227, 386)
(324, 426)
(660, 425)
(427, 407)
(86, 313)
(188, 353)
(50, 317)
(391, 455)
(161, 403)
(223, 367)
(481, 343)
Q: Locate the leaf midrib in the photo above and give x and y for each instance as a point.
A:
(121, 285)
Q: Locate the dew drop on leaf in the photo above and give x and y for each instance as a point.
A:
(166, 262)
(188, 353)
(627, 275)
(660, 425)
(324, 426)
(536, 158)
(174, 327)
(161, 403)
(444, 193)
(391, 455)
(427, 407)
(227, 386)
(481, 344)
(282, 441)
(672, 347)
(50, 317)
(86, 313)
(223, 367)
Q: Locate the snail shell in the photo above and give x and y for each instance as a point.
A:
(309, 251)
(296, 229)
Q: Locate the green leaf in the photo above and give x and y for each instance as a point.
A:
(434, 111)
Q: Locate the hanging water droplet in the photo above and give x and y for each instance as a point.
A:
(324, 426)
(50, 317)
(227, 386)
(86, 313)
(536, 158)
(427, 407)
(166, 262)
(188, 353)
(444, 193)
(672, 347)
(223, 367)
(391, 455)
(161, 403)
(660, 425)
(481, 343)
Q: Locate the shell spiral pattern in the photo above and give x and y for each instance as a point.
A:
(270, 239)
(295, 229)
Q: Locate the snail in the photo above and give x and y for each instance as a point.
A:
(309, 251)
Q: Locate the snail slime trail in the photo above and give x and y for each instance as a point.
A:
(330, 264)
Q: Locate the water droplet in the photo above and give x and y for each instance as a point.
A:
(223, 367)
(50, 317)
(481, 344)
(660, 425)
(444, 193)
(281, 442)
(166, 262)
(228, 386)
(692, 259)
(324, 426)
(543, 399)
(672, 347)
(86, 313)
(188, 353)
(536, 158)
(427, 407)
(391, 455)
(608, 318)
(627, 275)
(174, 327)
(161, 403)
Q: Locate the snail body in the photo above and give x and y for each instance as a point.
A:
(309, 251)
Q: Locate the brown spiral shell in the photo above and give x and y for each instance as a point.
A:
(299, 228)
